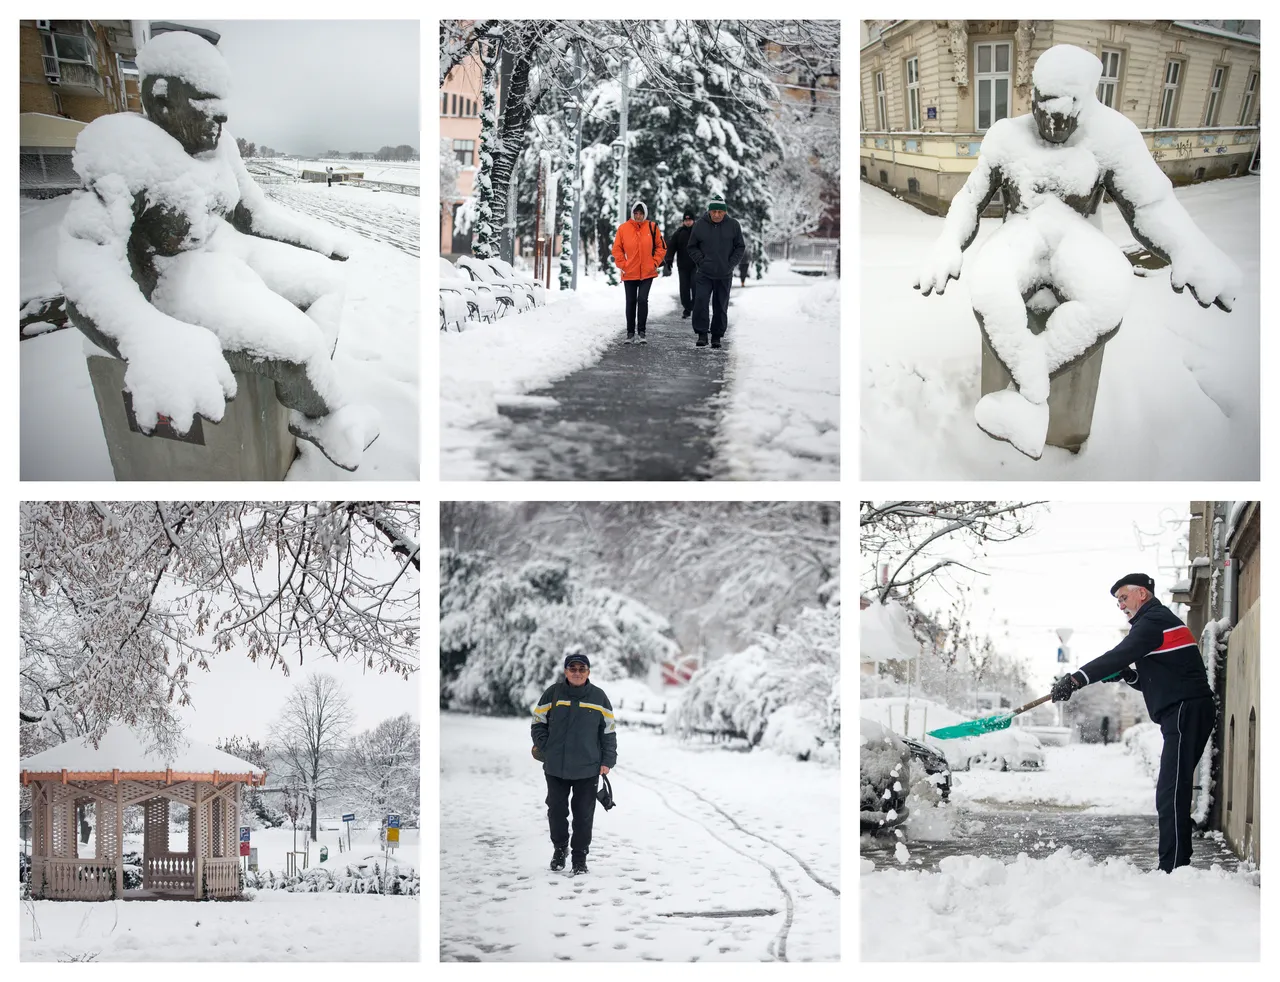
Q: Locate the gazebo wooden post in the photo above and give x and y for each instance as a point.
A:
(119, 839)
(198, 816)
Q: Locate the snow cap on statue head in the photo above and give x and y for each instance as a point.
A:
(1065, 82)
(639, 207)
(181, 54)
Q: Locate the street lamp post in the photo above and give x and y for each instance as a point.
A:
(620, 152)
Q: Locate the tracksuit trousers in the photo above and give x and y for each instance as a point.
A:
(584, 811)
(716, 292)
(1186, 726)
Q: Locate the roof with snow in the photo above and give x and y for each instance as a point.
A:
(122, 755)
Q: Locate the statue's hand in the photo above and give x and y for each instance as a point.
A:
(1213, 278)
(339, 255)
(942, 266)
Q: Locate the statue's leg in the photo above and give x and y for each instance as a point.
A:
(1002, 271)
(1097, 280)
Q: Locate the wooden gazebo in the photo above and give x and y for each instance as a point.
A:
(121, 772)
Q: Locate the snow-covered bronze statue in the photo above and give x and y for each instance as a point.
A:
(173, 260)
(1052, 167)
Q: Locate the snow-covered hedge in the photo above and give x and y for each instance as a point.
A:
(367, 876)
(1145, 742)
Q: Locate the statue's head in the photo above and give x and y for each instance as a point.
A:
(185, 83)
(1065, 83)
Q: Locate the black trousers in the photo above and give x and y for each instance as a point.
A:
(705, 290)
(637, 303)
(686, 287)
(1186, 727)
(584, 810)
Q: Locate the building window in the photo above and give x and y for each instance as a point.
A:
(882, 115)
(1253, 764)
(1215, 96)
(455, 104)
(444, 103)
(1109, 84)
(1169, 100)
(913, 93)
(1246, 107)
(1231, 755)
(913, 186)
(993, 81)
(465, 151)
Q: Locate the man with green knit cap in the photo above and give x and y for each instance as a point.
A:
(716, 247)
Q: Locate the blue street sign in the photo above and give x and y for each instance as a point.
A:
(1062, 654)
(244, 833)
(348, 818)
(393, 821)
(931, 112)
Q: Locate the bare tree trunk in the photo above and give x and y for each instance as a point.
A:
(513, 132)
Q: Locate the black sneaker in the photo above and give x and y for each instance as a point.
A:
(687, 313)
(557, 857)
(715, 343)
(580, 865)
(702, 341)
(642, 339)
(631, 337)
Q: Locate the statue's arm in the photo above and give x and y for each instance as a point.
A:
(942, 265)
(255, 215)
(1144, 195)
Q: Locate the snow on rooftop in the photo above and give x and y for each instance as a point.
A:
(122, 749)
(188, 56)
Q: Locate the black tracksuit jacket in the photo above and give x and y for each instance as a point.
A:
(573, 726)
(1163, 651)
(716, 248)
(677, 249)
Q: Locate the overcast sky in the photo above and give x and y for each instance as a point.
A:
(1059, 576)
(305, 87)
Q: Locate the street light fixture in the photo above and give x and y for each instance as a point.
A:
(618, 148)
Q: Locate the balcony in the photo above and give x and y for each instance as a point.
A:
(78, 77)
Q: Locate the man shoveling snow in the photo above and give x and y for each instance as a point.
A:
(1159, 657)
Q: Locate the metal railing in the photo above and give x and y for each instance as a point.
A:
(385, 186)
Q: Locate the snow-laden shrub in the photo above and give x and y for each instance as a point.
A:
(1145, 742)
(367, 876)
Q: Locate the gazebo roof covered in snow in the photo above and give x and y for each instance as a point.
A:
(121, 756)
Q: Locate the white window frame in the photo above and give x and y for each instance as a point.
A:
(1109, 83)
(1217, 81)
(913, 93)
(993, 77)
(1169, 93)
(882, 112)
(470, 150)
(1246, 101)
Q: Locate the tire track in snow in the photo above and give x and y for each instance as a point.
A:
(778, 946)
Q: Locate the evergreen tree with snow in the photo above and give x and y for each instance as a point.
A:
(485, 243)
(565, 204)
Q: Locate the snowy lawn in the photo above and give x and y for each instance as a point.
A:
(1179, 393)
(275, 926)
(61, 435)
(781, 421)
(697, 831)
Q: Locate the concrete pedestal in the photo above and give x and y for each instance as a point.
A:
(251, 443)
(1073, 387)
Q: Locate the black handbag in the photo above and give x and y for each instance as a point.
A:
(605, 794)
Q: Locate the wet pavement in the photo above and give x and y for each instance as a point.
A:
(644, 412)
(1004, 834)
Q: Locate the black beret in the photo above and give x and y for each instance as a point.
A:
(1135, 579)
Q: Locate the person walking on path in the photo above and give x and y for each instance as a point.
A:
(743, 267)
(715, 246)
(1159, 656)
(573, 736)
(638, 251)
(678, 250)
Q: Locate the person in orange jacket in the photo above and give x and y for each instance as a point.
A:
(638, 251)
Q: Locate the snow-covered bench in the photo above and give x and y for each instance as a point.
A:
(453, 309)
(521, 280)
(506, 292)
(480, 299)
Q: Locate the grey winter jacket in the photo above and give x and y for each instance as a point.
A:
(716, 248)
(573, 726)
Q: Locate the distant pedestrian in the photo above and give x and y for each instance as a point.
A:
(638, 251)
(716, 247)
(743, 267)
(1106, 726)
(573, 736)
(678, 251)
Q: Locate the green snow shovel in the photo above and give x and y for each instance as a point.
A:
(990, 724)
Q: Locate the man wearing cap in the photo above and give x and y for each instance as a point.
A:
(1159, 656)
(678, 252)
(716, 246)
(573, 736)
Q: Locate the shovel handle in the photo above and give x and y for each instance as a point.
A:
(1044, 699)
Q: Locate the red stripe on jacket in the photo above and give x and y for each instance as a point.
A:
(1176, 637)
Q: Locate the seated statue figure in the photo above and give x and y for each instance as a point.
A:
(1052, 167)
(173, 260)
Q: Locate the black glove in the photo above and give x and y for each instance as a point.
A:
(1063, 688)
(1129, 675)
(538, 754)
(666, 270)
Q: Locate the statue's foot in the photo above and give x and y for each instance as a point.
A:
(343, 436)
(1008, 415)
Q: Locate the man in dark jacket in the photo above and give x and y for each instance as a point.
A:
(716, 246)
(1159, 656)
(573, 736)
(678, 252)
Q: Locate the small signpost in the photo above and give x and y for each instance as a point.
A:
(253, 859)
(392, 842)
(349, 819)
(244, 846)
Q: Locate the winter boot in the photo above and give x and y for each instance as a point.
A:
(557, 857)
(642, 339)
(631, 337)
(715, 343)
(580, 865)
(702, 341)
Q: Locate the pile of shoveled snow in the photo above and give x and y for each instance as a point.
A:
(1065, 907)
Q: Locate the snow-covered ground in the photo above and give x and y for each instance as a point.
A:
(1086, 777)
(782, 418)
(383, 216)
(387, 171)
(275, 926)
(1179, 396)
(697, 831)
(377, 355)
